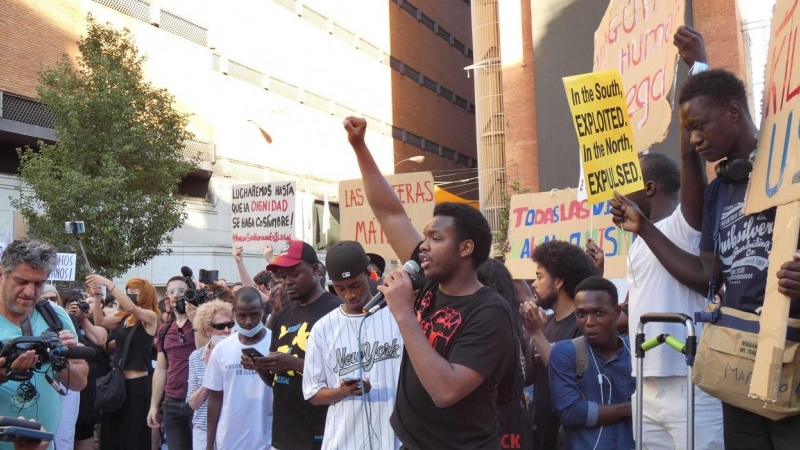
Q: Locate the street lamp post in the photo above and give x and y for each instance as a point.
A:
(417, 159)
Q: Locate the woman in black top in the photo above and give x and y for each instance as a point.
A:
(127, 428)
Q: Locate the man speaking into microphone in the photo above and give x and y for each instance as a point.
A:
(457, 332)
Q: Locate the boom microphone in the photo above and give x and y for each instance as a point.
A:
(186, 272)
(379, 302)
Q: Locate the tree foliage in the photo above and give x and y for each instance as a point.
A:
(501, 235)
(118, 159)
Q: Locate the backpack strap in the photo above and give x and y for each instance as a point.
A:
(581, 356)
(163, 335)
(50, 316)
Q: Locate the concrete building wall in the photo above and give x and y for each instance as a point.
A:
(292, 69)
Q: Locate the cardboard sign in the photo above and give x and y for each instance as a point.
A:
(65, 268)
(635, 38)
(545, 216)
(775, 181)
(358, 223)
(600, 116)
(263, 214)
(776, 175)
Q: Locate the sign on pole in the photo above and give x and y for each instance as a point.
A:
(607, 149)
(775, 182)
(65, 268)
(263, 214)
(358, 223)
(560, 216)
(635, 38)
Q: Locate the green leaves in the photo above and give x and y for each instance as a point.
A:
(118, 159)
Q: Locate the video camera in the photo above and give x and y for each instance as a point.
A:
(193, 295)
(47, 347)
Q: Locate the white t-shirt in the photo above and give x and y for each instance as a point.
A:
(651, 289)
(332, 355)
(246, 417)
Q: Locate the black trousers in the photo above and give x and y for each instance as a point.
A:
(747, 431)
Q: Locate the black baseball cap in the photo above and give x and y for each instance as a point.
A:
(379, 262)
(346, 259)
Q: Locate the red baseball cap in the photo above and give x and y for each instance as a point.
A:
(292, 254)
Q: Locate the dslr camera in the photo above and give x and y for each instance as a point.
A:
(199, 296)
(193, 295)
(47, 347)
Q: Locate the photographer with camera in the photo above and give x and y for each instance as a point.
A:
(127, 428)
(175, 343)
(24, 268)
(94, 337)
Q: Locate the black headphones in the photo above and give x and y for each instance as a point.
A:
(734, 170)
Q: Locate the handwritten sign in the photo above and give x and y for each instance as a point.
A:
(65, 268)
(775, 181)
(635, 38)
(776, 174)
(416, 193)
(545, 216)
(263, 214)
(600, 116)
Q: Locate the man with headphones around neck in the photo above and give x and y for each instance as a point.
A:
(714, 112)
(594, 409)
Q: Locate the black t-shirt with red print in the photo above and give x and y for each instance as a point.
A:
(474, 331)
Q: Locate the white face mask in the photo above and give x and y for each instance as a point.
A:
(250, 333)
(216, 339)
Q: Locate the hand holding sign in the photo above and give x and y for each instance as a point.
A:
(691, 45)
(789, 278)
(627, 214)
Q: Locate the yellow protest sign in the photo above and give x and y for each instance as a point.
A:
(545, 216)
(600, 115)
(635, 37)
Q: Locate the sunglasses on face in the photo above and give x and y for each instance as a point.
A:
(222, 326)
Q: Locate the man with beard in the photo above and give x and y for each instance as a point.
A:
(24, 267)
(175, 343)
(297, 423)
(596, 408)
(561, 266)
(240, 410)
(457, 332)
(338, 374)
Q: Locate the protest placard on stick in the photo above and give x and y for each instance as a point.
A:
(608, 155)
(635, 38)
(358, 223)
(545, 216)
(263, 214)
(775, 182)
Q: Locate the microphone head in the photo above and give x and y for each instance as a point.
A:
(186, 272)
(411, 267)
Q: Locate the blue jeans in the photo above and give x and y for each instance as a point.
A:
(178, 424)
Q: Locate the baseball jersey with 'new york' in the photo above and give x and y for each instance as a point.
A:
(333, 354)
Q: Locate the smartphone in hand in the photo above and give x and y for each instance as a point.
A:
(251, 352)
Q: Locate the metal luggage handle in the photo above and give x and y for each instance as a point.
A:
(689, 349)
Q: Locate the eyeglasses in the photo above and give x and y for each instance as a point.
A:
(181, 337)
(222, 326)
(178, 291)
(52, 299)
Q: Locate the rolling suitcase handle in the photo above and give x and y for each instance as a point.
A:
(689, 349)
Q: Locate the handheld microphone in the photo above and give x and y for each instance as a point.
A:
(379, 302)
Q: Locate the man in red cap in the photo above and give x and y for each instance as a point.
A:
(297, 423)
